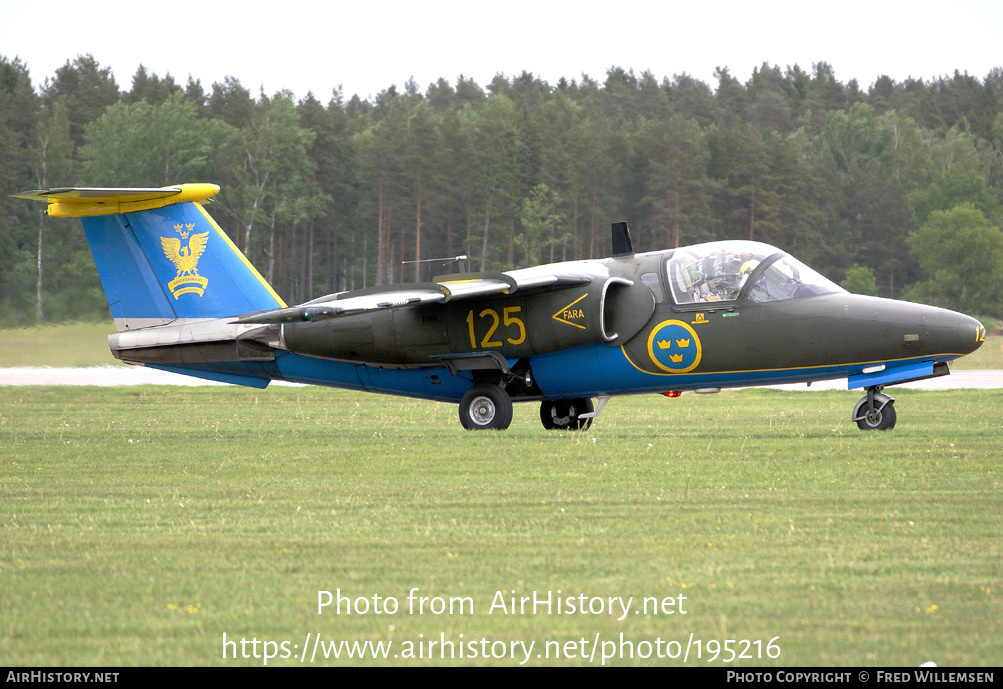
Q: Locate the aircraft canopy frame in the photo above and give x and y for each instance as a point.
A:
(724, 273)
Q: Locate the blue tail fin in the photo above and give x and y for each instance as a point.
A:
(161, 256)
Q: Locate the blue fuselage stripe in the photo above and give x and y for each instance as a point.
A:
(588, 371)
(598, 369)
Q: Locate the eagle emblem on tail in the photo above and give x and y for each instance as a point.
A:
(185, 260)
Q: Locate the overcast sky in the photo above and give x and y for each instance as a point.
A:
(367, 46)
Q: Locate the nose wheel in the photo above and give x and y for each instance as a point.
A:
(875, 411)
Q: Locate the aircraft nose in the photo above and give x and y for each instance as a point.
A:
(968, 334)
(944, 332)
(980, 332)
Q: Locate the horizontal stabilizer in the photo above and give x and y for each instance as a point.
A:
(79, 202)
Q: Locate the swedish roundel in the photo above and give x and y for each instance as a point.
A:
(674, 347)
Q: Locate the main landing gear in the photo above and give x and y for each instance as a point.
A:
(486, 407)
(875, 411)
(561, 415)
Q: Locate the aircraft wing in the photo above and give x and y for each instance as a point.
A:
(442, 289)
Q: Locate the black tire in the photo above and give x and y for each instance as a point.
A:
(486, 407)
(882, 419)
(564, 415)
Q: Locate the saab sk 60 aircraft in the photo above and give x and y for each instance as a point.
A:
(701, 318)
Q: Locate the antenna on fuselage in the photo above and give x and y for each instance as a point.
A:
(621, 240)
(445, 261)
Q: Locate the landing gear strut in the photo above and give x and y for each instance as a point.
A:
(875, 411)
(486, 406)
(561, 415)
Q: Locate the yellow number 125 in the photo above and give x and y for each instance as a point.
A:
(506, 319)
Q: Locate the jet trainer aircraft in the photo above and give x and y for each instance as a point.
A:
(700, 318)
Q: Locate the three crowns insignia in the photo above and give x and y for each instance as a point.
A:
(682, 344)
(674, 347)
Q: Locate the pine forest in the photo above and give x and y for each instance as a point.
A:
(892, 190)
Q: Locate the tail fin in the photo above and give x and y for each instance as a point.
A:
(160, 255)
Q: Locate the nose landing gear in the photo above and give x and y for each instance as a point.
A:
(875, 411)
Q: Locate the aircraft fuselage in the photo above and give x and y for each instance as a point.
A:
(625, 334)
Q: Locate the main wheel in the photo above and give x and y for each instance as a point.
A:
(486, 406)
(562, 415)
(882, 418)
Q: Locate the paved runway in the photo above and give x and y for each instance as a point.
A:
(957, 380)
(120, 374)
(101, 376)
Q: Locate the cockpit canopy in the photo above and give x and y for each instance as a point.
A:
(732, 270)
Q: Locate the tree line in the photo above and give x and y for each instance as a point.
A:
(894, 190)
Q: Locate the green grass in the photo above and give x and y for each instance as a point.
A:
(138, 525)
(70, 344)
(988, 357)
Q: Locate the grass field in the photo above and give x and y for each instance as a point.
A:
(140, 525)
(70, 344)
